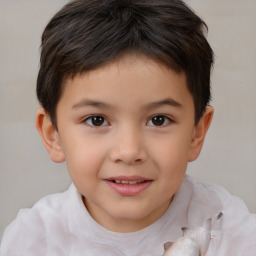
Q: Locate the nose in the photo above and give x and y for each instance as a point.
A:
(128, 147)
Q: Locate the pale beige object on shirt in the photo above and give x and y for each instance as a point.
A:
(195, 241)
(184, 246)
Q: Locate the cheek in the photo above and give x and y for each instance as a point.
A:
(84, 166)
(83, 158)
(172, 164)
(172, 153)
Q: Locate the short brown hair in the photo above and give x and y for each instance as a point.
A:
(86, 34)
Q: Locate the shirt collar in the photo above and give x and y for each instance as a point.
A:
(189, 207)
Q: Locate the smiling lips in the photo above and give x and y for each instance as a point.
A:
(128, 186)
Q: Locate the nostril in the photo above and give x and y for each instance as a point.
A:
(128, 157)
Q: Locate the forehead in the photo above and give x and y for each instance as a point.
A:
(131, 78)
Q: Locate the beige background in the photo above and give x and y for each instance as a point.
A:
(229, 156)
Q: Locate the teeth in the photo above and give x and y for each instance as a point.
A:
(126, 182)
(133, 182)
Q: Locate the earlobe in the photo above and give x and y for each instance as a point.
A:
(49, 136)
(200, 131)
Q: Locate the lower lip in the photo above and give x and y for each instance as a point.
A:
(129, 190)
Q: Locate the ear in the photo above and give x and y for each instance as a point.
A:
(49, 136)
(200, 131)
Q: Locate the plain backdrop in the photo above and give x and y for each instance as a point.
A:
(229, 155)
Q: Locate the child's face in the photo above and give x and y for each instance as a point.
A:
(127, 132)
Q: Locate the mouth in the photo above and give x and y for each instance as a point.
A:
(128, 186)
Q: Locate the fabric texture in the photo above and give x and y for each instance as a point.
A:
(59, 224)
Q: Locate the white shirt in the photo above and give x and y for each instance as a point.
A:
(59, 225)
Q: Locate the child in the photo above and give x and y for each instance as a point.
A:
(124, 88)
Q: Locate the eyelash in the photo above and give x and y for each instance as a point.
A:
(165, 120)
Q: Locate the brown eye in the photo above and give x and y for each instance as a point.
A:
(159, 120)
(96, 121)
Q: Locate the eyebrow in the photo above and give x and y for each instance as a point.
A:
(87, 103)
(168, 101)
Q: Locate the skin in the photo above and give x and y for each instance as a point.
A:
(127, 140)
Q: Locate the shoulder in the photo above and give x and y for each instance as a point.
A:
(32, 227)
(217, 196)
(218, 199)
(235, 233)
